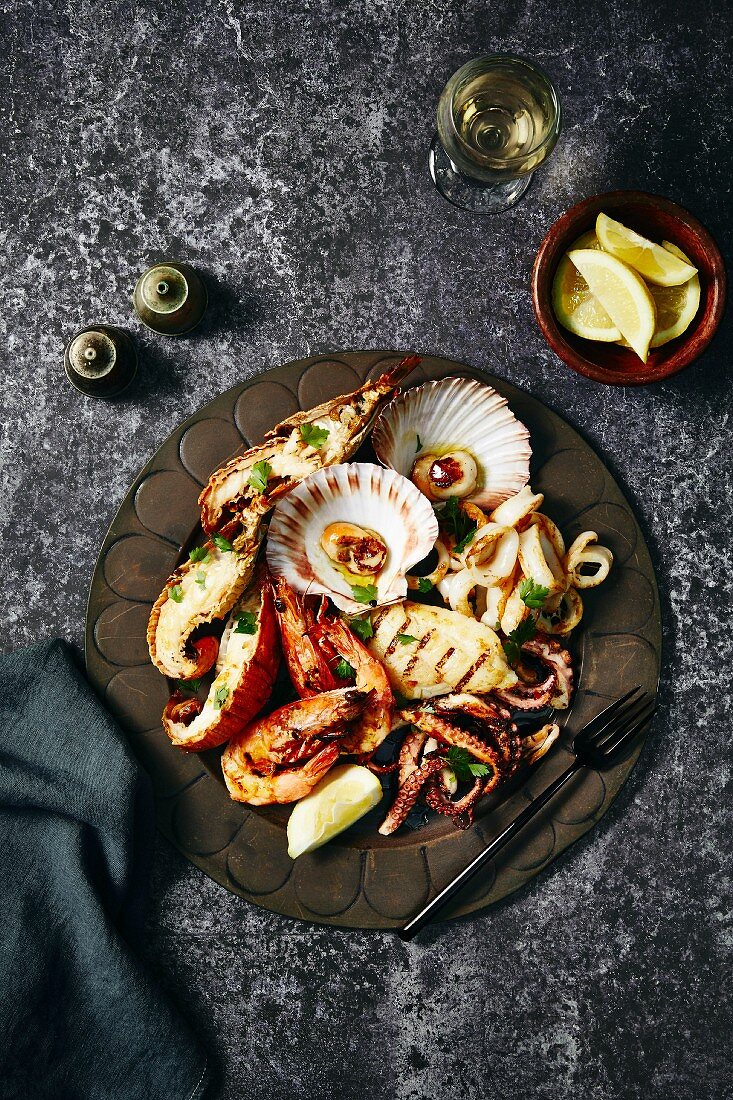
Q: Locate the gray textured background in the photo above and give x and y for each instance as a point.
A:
(282, 147)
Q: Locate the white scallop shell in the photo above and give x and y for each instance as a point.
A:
(354, 492)
(457, 413)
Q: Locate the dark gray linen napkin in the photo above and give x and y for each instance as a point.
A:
(80, 1019)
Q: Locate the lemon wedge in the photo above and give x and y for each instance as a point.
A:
(622, 293)
(658, 265)
(676, 305)
(341, 798)
(575, 307)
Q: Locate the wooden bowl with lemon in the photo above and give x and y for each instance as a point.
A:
(628, 288)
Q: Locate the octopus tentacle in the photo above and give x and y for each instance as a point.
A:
(409, 757)
(408, 793)
(527, 696)
(463, 808)
(557, 686)
(442, 729)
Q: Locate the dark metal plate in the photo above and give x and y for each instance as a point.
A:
(361, 879)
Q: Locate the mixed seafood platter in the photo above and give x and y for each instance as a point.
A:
(418, 607)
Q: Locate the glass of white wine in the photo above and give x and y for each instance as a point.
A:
(499, 118)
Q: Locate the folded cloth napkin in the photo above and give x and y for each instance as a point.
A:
(79, 1016)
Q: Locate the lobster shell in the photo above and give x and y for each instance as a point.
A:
(247, 671)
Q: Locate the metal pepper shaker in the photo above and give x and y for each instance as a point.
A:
(170, 298)
(100, 361)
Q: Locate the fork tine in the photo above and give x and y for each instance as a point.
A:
(624, 736)
(621, 719)
(593, 727)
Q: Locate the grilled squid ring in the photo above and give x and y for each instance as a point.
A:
(583, 553)
(565, 617)
(494, 549)
(413, 581)
(515, 511)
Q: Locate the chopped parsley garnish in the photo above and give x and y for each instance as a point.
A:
(364, 593)
(513, 643)
(188, 685)
(424, 585)
(258, 478)
(200, 553)
(221, 543)
(344, 670)
(405, 639)
(457, 523)
(201, 578)
(175, 593)
(461, 545)
(220, 696)
(246, 623)
(362, 628)
(313, 435)
(418, 445)
(464, 765)
(533, 595)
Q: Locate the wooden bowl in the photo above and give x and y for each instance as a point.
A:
(658, 219)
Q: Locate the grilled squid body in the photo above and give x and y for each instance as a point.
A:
(245, 675)
(429, 651)
(236, 502)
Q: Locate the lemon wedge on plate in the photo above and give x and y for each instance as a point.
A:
(657, 264)
(344, 795)
(622, 293)
(574, 305)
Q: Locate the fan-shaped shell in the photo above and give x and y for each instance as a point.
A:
(457, 414)
(370, 496)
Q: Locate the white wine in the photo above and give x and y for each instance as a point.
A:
(498, 119)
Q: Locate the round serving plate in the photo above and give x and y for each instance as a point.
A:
(361, 879)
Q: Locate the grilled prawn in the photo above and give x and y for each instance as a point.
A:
(320, 651)
(281, 757)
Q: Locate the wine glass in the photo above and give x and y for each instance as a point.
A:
(498, 119)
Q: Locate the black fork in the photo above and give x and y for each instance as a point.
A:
(600, 743)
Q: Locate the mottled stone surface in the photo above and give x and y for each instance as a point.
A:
(281, 147)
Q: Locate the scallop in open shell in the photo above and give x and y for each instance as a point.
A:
(351, 532)
(456, 437)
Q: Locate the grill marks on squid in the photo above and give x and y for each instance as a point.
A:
(465, 680)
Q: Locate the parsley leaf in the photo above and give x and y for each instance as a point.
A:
(457, 523)
(246, 623)
(344, 670)
(418, 445)
(362, 628)
(313, 435)
(175, 593)
(424, 585)
(258, 478)
(201, 578)
(221, 543)
(514, 641)
(200, 553)
(533, 595)
(188, 685)
(405, 639)
(461, 545)
(220, 696)
(464, 765)
(364, 593)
